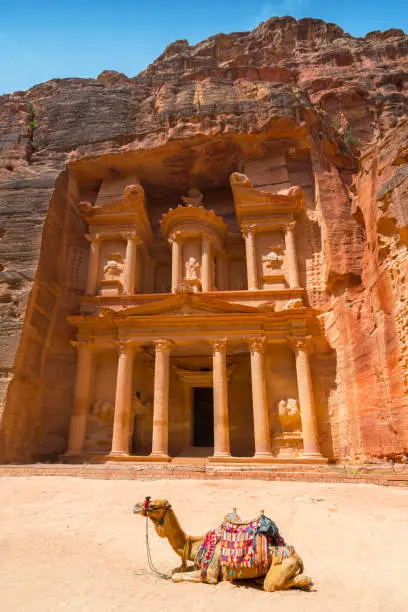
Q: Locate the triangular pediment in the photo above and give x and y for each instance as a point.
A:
(185, 304)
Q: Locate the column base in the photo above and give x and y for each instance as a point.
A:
(313, 458)
(263, 456)
(118, 454)
(72, 453)
(159, 457)
(220, 455)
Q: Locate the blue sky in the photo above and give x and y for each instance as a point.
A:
(44, 39)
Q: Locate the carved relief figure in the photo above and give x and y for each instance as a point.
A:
(289, 414)
(192, 269)
(293, 304)
(193, 198)
(273, 259)
(113, 267)
(103, 410)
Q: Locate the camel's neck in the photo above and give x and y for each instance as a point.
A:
(178, 539)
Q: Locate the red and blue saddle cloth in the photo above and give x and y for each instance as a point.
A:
(243, 544)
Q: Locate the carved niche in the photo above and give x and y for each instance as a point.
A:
(272, 262)
(287, 442)
(289, 414)
(99, 427)
(114, 266)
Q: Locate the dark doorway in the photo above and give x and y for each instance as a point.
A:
(203, 417)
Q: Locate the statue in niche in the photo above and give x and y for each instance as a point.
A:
(194, 197)
(192, 269)
(295, 190)
(113, 267)
(274, 258)
(103, 410)
(141, 407)
(289, 414)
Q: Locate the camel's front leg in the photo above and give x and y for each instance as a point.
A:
(194, 577)
(212, 574)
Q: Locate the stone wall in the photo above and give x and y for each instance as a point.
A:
(292, 102)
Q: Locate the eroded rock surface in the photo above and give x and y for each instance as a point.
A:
(290, 103)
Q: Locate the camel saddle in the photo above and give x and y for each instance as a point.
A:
(244, 544)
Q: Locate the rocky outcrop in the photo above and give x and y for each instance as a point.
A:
(290, 103)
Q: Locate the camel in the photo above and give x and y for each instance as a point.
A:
(277, 577)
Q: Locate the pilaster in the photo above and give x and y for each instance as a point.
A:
(93, 263)
(82, 393)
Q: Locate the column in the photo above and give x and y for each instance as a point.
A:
(160, 440)
(293, 271)
(221, 421)
(82, 393)
(93, 263)
(206, 264)
(311, 447)
(123, 399)
(176, 251)
(257, 347)
(250, 249)
(129, 272)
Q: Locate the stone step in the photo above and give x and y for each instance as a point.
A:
(145, 471)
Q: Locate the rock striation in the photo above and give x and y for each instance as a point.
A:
(289, 103)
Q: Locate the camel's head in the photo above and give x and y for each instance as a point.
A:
(155, 509)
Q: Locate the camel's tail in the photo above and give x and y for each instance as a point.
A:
(301, 566)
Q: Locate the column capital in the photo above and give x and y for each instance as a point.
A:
(175, 237)
(248, 229)
(205, 236)
(125, 346)
(300, 343)
(163, 345)
(289, 227)
(219, 345)
(257, 344)
(131, 236)
(82, 345)
(94, 238)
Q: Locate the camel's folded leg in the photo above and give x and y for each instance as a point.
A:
(300, 582)
(194, 577)
(280, 577)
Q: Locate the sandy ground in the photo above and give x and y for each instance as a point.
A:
(72, 544)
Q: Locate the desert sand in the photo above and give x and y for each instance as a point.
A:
(74, 544)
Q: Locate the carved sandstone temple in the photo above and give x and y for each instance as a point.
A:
(197, 341)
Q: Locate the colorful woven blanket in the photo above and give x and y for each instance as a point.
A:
(243, 544)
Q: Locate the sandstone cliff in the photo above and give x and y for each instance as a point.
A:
(292, 102)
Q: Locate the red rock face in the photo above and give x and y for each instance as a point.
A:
(290, 103)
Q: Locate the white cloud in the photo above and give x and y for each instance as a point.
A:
(279, 8)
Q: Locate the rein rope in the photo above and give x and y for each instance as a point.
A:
(153, 569)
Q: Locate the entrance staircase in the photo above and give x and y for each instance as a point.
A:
(199, 468)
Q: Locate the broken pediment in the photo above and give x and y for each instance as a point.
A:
(127, 212)
(185, 304)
